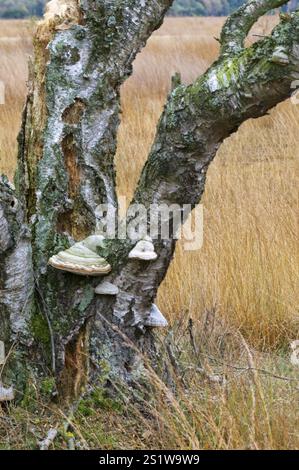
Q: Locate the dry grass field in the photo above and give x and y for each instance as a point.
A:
(241, 289)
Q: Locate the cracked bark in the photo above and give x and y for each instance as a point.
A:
(66, 168)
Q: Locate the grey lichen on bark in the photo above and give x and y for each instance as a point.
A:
(84, 51)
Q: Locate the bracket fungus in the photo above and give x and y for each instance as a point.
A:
(106, 288)
(144, 250)
(82, 258)
(156, 319)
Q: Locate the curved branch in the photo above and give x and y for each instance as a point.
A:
(240, 22)
(196, 120)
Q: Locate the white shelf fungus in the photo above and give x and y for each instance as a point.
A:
(156, 319)
(144, 250)
(82, 258)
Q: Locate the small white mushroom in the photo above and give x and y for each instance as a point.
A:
(106, 288)
(280, 56)
(6, 394)
(82, 258)
(155, 318)
(144, 250)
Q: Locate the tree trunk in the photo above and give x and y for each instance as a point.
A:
(83, 52)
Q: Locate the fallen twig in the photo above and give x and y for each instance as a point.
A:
(48, 441)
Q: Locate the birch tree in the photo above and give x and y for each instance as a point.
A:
(58, 323)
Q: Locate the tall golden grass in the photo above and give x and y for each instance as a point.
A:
(242, 284)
